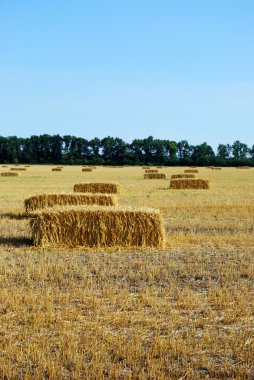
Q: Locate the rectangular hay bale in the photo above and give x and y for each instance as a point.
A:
(155, 176)
(175, 176)
(151, 171)
(87, 169)
(189, 183)
(9, 174)
(93, 226)
(98, 187)
(191, 171)
(51, 200)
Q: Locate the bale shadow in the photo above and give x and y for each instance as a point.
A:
(15, 241)
(12, 215)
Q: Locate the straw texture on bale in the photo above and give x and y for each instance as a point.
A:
(50, 200)
(87, 170)
(175, 176)
(98, 187)
(93, 226)
(151, 171)
(9, 174)
(155, 176)
(56, 169)
(18, 169)
(190, 183)
(191, 171)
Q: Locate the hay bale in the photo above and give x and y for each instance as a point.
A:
(146, 167)
(94, 226)
(190, 183)
(50, 200)
(175, 176)
(87, 169)
(242, 167)
(151, 171)
(216, 168)
(155, 176)
(56, 169)
(18, 169)
(98, 187)
(9, 174)
(190, 171)
(4, 166)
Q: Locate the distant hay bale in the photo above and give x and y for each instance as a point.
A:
(190, 183)
(18, 169)
(27, 166)
(87, 169)
(151, 171)
(175, 176)
(242, 167)
(56, 169)
(190, 171)
(98, 187)
(50, 200)
(159, 167)
(93, 226)
(216, 168)
(155, 176)
(146, 167)
(4, 166)
(193, 167)
(9, 174)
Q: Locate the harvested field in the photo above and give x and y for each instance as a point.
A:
(98, 227)
(155, 176)
(98, 187)
(181, 312)
(189, 184)
(50, 200)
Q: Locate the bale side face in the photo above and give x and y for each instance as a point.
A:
(9, 174)
(155, 176)
(189, 184)
(190, 171)
(99, 187)
(175, 176)
(50, 200)
(95, 227)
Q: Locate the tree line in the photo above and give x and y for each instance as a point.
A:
(71, 150)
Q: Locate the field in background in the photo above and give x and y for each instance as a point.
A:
(184, 312)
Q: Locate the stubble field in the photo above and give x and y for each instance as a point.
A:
(185, 312)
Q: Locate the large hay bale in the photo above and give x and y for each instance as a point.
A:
(191, 171)
(94, 226)
(87, 169)
(9, 174)
(56, 169)
(151, 171)
(189, 183)
(50, 200)
(98, 187)
(18, 169)
(155, 176)
(175, 176)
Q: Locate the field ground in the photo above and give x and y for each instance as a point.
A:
(186, 312)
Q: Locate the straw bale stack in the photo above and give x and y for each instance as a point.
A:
(94, 226)
(155, 176)
(176, 176)
(189, 183)
(9, 174)
(191, 171)
(98, 187)
(51, 200)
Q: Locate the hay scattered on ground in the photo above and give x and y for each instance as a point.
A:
(155, 176)
(189, 184)
(94, 226)
(175, 176)
(98, 187)
(50, 200)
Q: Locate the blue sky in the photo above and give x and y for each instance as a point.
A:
(180, 69)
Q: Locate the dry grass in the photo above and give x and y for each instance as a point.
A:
(189, 184)
(9, 174)
(191, 171)
(184, 312)
(175, 176)
(155, 176)
(50, 200)
(98, 187)
(97, 227)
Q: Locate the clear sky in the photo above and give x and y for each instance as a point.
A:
(173, 69)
